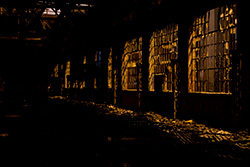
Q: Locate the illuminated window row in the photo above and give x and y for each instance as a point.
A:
(163, 49)
(75, 84)
(212, 40)
(81, 84)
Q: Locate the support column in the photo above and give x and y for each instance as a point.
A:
(117, 53)
(182, 83)
(242, 62)
(144, 69)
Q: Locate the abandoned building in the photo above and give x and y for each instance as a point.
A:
(182, 59)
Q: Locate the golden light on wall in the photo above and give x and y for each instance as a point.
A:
(162, 50)
(96, 56)
(131, 60)
(75, 84)
(95, 83)
(212, 39)
(85, 60)
(3, 11)
(82, 84)
(110, 69)
(56, 69)
(67, 73)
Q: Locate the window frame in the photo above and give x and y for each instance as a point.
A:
(209, 51)
(163, 48)
(131, 60)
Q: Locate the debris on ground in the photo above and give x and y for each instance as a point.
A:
(187, 131)
(184, 131)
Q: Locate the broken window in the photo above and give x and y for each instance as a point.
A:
(162, 50)
(110, 69)
(131, 60)
(212, 38)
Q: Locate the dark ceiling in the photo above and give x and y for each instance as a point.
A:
(107, 20)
